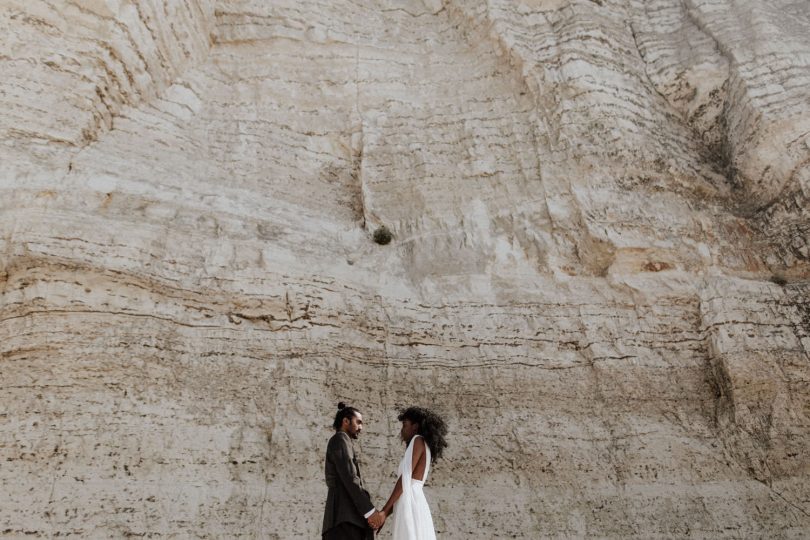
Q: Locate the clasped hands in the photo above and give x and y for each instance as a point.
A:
(376, 520)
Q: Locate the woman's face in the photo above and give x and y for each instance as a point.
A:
(409, 429)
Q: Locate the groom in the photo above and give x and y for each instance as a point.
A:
(349, 514)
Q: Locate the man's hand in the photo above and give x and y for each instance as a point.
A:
(376, 520)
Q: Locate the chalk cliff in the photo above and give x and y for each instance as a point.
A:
(599, 270)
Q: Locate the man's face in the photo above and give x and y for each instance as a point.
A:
(354, 425)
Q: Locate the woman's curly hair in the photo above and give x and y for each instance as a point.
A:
(431, 427)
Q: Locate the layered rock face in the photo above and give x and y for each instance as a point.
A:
(601, 217)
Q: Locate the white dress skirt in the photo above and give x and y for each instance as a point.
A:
(412, 519)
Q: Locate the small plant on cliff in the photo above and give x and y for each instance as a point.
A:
(382, 235)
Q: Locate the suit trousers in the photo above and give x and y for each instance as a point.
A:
(348, 531)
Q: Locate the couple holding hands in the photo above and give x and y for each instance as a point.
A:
(349, 513)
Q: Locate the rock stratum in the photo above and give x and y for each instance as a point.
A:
(599, 272)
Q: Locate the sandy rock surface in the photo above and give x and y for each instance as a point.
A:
(599, 270)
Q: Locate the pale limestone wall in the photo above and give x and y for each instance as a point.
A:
(590, 200)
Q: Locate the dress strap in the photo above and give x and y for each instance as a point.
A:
(406, 474)
(427, 458)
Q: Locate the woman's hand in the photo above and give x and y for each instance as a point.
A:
(377, 520)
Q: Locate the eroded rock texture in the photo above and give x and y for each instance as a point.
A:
(599, 270)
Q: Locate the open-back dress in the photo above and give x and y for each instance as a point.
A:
(412, 519)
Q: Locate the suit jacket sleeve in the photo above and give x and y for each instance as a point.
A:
(344, 465)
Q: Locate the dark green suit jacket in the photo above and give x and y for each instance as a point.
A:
(347, 499)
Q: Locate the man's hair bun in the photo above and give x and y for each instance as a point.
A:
(341, 406)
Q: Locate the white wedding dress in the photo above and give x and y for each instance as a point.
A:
(412, 520)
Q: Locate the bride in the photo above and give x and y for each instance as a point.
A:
(423, 432)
